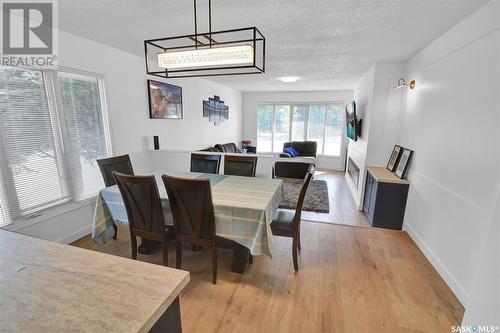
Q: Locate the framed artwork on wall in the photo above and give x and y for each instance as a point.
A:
(165, 100)
(403, 163)
(393, 160)
(215, 110)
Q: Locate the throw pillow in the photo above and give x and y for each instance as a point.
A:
(292, 151)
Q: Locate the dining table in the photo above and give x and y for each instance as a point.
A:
(243, 207)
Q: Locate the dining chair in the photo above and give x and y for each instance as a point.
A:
(296, 170)
(193, 213)
(107, 166)
(205, 163)
(119, 164)
(240, 165)
(144, 210)
(287, 223)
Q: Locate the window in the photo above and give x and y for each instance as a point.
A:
(281, 126)
(265, 127)
(83, 121)
(334, 128)
(279, 123)
(316, 125)
(299, 122)
(51, 131)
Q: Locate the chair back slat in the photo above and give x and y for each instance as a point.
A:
(302, 194)
(205, 163)
(192, 208)
(119, 164)
(142, 202)
(240, 165)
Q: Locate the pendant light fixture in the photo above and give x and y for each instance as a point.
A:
(213, 53)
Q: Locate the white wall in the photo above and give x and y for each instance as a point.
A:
(379, 106)
(452, 121)
(131, 128)
(483, 307)
(252, 99)
(128, 103)
(363, 96)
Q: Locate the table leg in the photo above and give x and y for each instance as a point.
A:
(240, 259)
(116, 231)
(241, 254)
(170, 320)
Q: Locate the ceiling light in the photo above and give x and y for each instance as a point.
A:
(289, 79)
(402, 83)
(230, 55)
(212, 53)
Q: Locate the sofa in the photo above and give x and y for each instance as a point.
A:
(307, 152)
(230, 148)
(305, 148)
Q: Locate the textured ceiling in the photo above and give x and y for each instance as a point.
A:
(328, 43)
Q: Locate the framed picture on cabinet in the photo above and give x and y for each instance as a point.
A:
(403, 162)
(393, 160)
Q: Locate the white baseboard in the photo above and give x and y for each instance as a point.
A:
(455, 287)
(76, 235)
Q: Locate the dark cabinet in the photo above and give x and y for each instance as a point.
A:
(252, 149)
(385, 198)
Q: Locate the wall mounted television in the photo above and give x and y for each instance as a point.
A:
(353, 124)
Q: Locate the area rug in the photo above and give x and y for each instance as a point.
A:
(316, 199)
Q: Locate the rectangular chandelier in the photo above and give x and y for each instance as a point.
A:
(215, 53)
(216, 56)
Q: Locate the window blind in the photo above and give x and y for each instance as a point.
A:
(84, 128)
(3, 217)
(33, 173)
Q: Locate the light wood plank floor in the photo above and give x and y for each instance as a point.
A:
(342, 207)
(350, 280)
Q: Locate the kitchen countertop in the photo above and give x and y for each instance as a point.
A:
(51, 287)
(385, 176)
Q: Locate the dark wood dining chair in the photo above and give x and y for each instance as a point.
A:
(240, 165)
(296, 170)
(205, 163)
(119, 164)
(144, 210)
(287, 223)
(193, 213)
(107, 166)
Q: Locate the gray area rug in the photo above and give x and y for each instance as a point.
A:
(316, 199)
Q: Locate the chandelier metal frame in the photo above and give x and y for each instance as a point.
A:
(206, 40)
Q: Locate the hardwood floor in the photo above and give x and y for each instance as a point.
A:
(350, 280)
(342, 207)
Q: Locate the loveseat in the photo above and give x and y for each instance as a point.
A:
(306, 149)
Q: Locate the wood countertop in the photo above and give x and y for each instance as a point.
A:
(385, 176)
(51, 287)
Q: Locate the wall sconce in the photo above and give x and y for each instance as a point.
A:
(402, 83)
